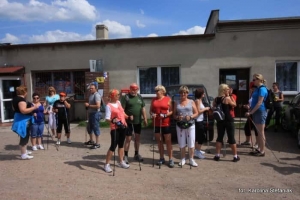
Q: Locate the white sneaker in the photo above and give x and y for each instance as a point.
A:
(199, 155)
(182, 162)
(107, 168)
(34, 148)
(58, 142)
(193, 163)
(123, 165)
(255, 146)
(202, 152)
(41, 147)
(69, 141)
(26, 157)
(28, 152)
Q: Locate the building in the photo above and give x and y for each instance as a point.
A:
(228, 51)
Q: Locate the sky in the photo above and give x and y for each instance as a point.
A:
(44, 21)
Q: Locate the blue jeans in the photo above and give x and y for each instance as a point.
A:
(37, 130)
(93, 124)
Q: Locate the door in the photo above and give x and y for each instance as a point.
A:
(238, 79)
(7, 93)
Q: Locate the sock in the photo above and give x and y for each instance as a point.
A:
(235, 156)
(218, 155)
(23, 155)
(136, 152)
(126, 153)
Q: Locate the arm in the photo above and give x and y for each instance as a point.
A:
(170, 111)
(200, 111)
(22, 107)
(144, 116)
(230, 100)
(281, 97)
(67, 104)
(195, 112)
(256, 107)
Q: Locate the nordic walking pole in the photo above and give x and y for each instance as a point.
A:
(160, 138)
(136, 145)
(153, 140)
(189, 149)
(115, 135)
(240, 106)
(250, 133)
(87, 124)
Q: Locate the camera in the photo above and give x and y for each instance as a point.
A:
(120, 125)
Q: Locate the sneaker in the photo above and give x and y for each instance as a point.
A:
(161, 161)
(171, 163)
(236, 159)
(202, 152)
(126, 159)
(89, 142)
(58, 142)
(138, 157)
(193, 163)
(245, 143)
(69, 141)
(107, 168)
(255, 146)
(41, 147)
(123, 165)
(95, 146)
(199, 155)
(217, 158)
(28, 152)
(254, 152)
(34, 148)
(26, 157)
(260, 154)
(182, 162)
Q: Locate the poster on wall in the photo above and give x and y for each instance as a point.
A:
(242, 84)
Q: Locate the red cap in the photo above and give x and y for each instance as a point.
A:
(62, 94)
(134, 87)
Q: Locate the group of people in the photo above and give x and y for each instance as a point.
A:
(127, 114)
(29, 118)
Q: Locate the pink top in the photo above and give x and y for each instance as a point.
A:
(116, 113)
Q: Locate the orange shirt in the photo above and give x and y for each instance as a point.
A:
(161, 106)
(232, 108)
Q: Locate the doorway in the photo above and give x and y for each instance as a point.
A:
(7, 93)
(238, 79)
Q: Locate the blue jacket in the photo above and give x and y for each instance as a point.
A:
(20, 123)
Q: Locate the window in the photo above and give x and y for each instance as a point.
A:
(149, 77)
(287, 76)
(69, 82)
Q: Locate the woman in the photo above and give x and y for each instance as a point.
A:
(277, 107)
(185, 112)
(227, 102)
(37, 127)
(200, 135)
(116, 117)
(49, 105)
(259, 112)
(22, 117)
(161, 111)
(249, 123)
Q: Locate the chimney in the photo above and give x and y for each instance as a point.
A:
(101, 32)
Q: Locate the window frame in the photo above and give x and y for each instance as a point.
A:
(159, 81)
(298, 76)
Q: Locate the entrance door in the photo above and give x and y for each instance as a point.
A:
(7, 93)
(238, 79)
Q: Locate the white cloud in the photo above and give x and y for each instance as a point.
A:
(117, 30)
(139, 24)
(191, 31)
(9, 38)
(142, 11)
(57, 10)
(152, 35)
(59, 36)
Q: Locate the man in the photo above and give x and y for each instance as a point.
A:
(93, 107)
(61, 108)
(134, 107)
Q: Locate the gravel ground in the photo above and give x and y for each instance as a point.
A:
(76, 172)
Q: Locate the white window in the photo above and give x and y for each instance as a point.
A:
(288, 76)
(150, 77)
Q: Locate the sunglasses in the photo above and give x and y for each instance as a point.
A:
(36, 97)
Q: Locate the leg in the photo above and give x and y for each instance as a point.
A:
(219, 141)
(269, 116)
(181, 138)
(23, 145)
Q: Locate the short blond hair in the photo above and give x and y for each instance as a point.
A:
(161, 87)
(51, 89)
(183, 88)
(260, 77)
(222, 88)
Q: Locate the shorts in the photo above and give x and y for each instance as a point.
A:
(37, 130)
(136, 127)
(259, 117)
(164, 130)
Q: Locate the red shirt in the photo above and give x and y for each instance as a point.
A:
(161, 106)
(231, 111)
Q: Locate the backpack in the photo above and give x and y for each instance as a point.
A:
(127, 97)
(269, 99)
(218, 112)
(102, 105)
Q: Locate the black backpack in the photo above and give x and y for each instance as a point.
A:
(218, 112)
(270, 97)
